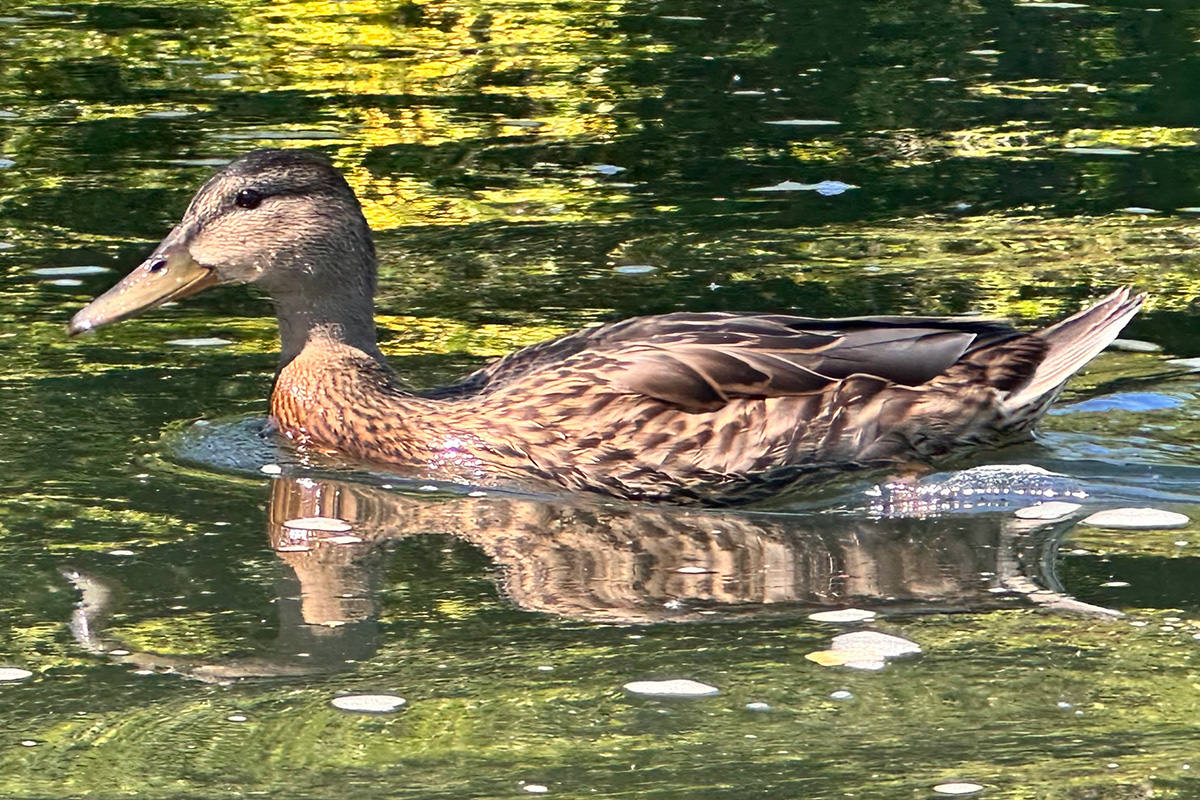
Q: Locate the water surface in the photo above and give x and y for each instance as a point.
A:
(529, 168)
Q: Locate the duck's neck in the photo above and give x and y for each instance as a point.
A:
(341, 315)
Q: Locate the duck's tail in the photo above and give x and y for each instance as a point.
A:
(1072, 343)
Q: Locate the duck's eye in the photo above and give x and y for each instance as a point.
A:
(248, 198)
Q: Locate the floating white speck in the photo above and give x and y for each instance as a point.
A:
(758, 706)
(1064, 705)
(1047, 511)
(682, 687)
(843, 615)
(1139, 210)
(985, 52)
(118, 652)
(122, 553)
(14, 674)
(205, 341)
(694, 571)
(1135, 346)
(681, 18)
(1187, 363)
(28, 743)
(326, 524)
(635, 269)
(535, 788)
(803, 122)
(1099, 151)
(221, 76)
(67, 272)
(826, 188)
(271, 469)
(841, 694)
(882, 645)
(958, 788)
(1115, 584)
(1136, 519)
(65, 282)
(237, 718)
(369, 703)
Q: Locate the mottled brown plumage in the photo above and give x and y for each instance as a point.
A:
(706, 408)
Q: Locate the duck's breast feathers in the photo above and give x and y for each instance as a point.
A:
(699, 362)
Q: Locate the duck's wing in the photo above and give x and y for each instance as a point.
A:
(701, 364)
(700, 361)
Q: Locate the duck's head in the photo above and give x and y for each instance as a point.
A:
(283, 219)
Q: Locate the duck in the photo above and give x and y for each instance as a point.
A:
(692, 408)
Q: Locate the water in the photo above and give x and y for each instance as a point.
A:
(530, 168)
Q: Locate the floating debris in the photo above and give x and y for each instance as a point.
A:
(536, 788)
(959, 789)
(695, 571)
(65, 282)
(635, 269)
(843, 615)
(271, 469)
(1140, 210)
(1135, 346)
(368, 703)
(826, 188)
(325, 524)
(883, 645)
(1099, 151)
(803, 122)
(682, 687)
(1136, 519)
(67, 272)
(1050, 5)
(237, 718)
(607, 169)
(758, 706)
(14, 674)
(841, 694)
(207, 341)
(1115, 584)
(1055, 509)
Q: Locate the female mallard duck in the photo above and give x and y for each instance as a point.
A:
(711, 408)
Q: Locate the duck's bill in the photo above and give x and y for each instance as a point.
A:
(169, 274)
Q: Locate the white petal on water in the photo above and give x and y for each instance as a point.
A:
(237, 718)
(1140, 210)
(1048, 511)
(843, 615)
(958, 788)
(694, 571)
(841, 694)
(1115, 584)
(1099, 151)
(758, 706)
(271, 469)
(65, 282)
(881, 645)
(535, 788)
(1135, 346)
(14, 674)
(67, 272)
(326, 524)
(676, 688)
(826, 188)
(803, 122)
(1137, 519)
(208, 341)
(635, 269)
(1187, 363)
(369, 703)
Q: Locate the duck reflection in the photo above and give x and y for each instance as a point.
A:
(611, 562)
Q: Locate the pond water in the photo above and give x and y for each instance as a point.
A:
(529, 168)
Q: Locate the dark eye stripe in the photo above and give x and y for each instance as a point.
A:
(248, 198)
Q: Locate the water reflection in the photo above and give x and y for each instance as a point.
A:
(605, 562)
